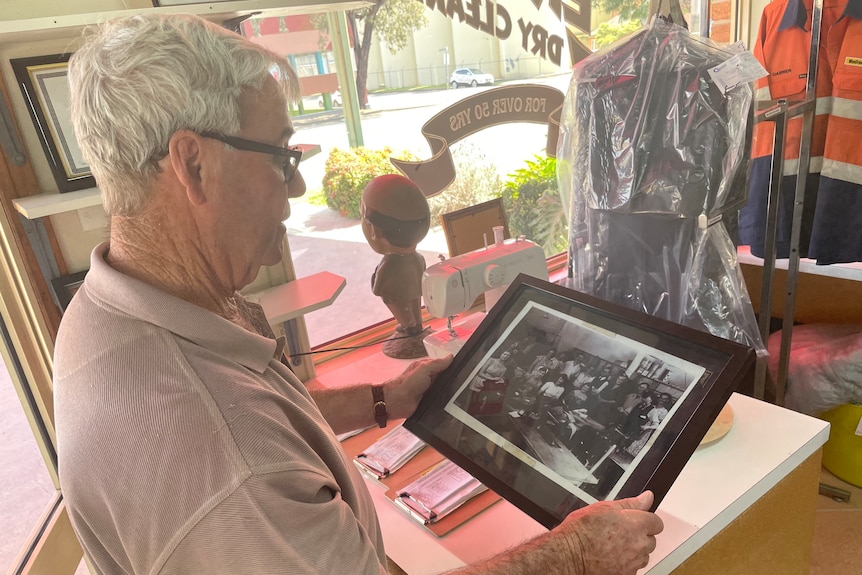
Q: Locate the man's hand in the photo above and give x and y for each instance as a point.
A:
(613, 537)
(404, 392)
(605, 538)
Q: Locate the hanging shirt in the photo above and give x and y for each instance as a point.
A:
(837, 231)
(782, 47)
(831, 229)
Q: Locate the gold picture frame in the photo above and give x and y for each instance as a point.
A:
(43, 82)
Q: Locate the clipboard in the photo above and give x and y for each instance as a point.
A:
(425, 459)
(462, 514)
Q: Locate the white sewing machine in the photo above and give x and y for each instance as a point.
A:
(451, 287)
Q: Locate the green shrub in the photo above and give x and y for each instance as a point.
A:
(533, 206)
(476, 181)
(348, 172)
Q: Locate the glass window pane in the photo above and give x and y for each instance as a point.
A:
(26, 488)
(322, 239)
(306, 65)
(613, 19)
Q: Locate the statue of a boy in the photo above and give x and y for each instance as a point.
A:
(395, 218)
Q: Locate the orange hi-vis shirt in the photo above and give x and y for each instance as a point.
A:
(842, 154)
(832, 212)
(783, 48)
(836, 235)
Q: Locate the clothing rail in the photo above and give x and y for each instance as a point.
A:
(780, 113)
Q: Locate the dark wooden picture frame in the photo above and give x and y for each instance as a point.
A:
(43, 82)
(66, 286)
(467, 229)
(551, 451)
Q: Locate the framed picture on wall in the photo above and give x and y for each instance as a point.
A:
(559, 399)
(43, 82)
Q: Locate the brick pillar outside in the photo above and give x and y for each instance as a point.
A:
(719, 15)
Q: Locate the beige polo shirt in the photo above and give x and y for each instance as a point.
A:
(186, 447)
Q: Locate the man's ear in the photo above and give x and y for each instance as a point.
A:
(185, 154)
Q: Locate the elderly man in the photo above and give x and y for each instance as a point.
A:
(185, 444)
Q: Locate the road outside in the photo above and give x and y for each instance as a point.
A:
(321, 240)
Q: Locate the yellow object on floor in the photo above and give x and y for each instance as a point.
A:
(842, 454)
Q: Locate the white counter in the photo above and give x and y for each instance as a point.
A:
(719, 483)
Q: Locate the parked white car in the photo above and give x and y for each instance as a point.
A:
(336, 99)
(470, 77)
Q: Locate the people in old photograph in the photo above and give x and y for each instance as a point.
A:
(493, 371)
(636, 410)
(651, 422)
(584, 408)
(549, 360)
(549, 396)
(487, 389)
(572, 364)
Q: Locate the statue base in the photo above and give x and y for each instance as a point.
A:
(401, 346)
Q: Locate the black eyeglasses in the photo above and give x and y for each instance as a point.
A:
(292, 156)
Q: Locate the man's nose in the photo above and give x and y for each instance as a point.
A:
(296, 186)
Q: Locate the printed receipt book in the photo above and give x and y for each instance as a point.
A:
(389, 453)
(437, 493)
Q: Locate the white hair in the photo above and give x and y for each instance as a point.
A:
(138, 80)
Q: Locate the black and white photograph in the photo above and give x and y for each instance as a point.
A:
(559, 399)
(571, 400)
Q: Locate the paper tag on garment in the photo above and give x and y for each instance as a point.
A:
(736, 48)
(859, 428)
(741, 68)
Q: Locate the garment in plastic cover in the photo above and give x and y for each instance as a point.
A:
(825, 368)
(652, 161)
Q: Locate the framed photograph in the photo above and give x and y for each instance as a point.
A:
(66, 286)
(559, 399)
(43, 81)
(469, 228)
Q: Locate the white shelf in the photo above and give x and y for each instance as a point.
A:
(42, 205)
(720, 482)
(848, 271)
(30, 29)
(299, 297)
